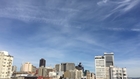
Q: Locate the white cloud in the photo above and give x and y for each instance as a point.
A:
(137, 30)
(103, 2)
(117, 29)
(124, 29)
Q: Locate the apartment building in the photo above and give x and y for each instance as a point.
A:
(118, 73)
(6, 62)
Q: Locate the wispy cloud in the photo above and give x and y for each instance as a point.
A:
(102, 2)
(118, 7)
(124, 29)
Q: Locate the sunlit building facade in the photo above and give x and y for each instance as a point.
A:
(102, 64)
(100, 67)
(26, 67)
(6, 62)
(118, 73)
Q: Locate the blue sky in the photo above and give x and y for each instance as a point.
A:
(71, 31)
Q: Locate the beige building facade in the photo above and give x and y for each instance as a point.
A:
(6, 62)
(27, 67)
(73, 74)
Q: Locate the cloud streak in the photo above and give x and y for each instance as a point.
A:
(118, 7)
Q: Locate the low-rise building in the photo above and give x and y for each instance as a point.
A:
(73, 74)
(14, 68)
(42, 71)
(26, 67)
(118, 73)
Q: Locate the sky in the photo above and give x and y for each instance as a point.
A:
(71, 31)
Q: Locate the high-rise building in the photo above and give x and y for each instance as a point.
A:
(6, 62)
(100, 67)
(26, 67)
(102, 64)
(104, 68)
(109, 57)
(42, 62)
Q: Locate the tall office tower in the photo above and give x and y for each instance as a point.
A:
(26, 67)
(100, 67)
(6, 62)
(67, 66)
(109, 57)
(42, 62)
(118, 73)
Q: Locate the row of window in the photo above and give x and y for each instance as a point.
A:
(120, 78)
(6, 59)
(4, 76)
(5, 72)
(7, 62)
(118, 71)
(7, 66)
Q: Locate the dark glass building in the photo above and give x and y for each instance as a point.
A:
(42, 62)
(109, 57)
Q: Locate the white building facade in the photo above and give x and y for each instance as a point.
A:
(6, 62)
(118, 73)
(104, 68)
(100, 67)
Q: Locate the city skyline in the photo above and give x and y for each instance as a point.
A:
(71, 31)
